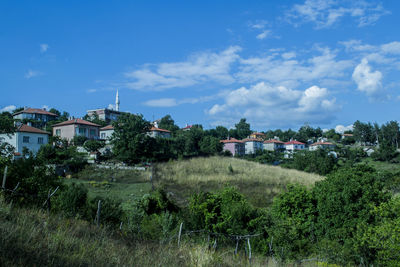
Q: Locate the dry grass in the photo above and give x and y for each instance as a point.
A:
(32, 238)
(258, 182)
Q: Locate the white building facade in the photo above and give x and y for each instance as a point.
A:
(26, 137)
(252, 145)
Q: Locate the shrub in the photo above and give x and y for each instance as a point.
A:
(72, 201)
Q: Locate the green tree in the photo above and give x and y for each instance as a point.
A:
(168, 123)
(242, 129)
(210, 145)
(6, 123)
(130, 140)
(93, 145)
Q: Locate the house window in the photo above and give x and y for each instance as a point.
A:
(25, 139)
(40, 140)
(92, 132)
(58, 132)
(82, 131)
(103, 135)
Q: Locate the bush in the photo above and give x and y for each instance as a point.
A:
(111, 211)
(72, 201)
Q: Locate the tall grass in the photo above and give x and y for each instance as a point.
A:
(258, 182)
(33, 238)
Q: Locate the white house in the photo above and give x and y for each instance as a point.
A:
(294, 145)
(38, 117)
(322, 145)
(26, 136)
(273, 145)
(157, 132)
(106, 133)
(252, 145)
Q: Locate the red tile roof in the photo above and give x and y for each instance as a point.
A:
(29, 129)
(322, 143)
(108, 127)
(294, 142)
(187, 127)
(273, 141)
(158, 130)
(232, 140)
(347, 134)
(76, 121)
(35, 111)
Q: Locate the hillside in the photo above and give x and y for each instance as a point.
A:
(258, 182)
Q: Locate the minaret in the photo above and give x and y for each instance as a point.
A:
(117, 102)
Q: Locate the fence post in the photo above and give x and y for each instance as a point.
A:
(4, 178)
(98, 213)
(49, 195)
(215, 244)
(151, 176)
(179, 235)
(208, 241)
(248, 242)
(237, 245)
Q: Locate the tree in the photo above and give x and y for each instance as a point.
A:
(95, 119)
(93, 145)
(6, 123)
(210, 145)
(168, 123)
(344, 201)
(242, 129)
(130, 140)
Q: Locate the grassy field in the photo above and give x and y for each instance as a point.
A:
(258, 182)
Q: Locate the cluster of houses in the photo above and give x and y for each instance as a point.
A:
(29, 136)
(256, 142)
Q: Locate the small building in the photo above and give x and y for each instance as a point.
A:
(294, 145)
(35, 116)
(252, 145)
(273, 145)
(76, 127)
(321, 145)
(236, 147)
(106, 132)
(105, 114)
(27, 137)
(257, 135)
(157, 132)
(187, 127)
(347, 135)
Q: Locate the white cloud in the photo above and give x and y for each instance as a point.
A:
(9, 108)
(326, 13)
(391, 48)
(199, 68)
(367, 81)
(44, 48)
(162, 102)
(263, 35)
(341, 128)
(265, 105)
(31, 74)
(92, 90)
(45, 107)
(289, 71)
(111, 106)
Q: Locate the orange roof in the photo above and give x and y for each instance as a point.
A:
(108, 127)
(347, 134)
(76, 121)
(35, 111)
(232, 140)
(294, 142)
(154, 129)
(322, 143)
(29, 129)
(273, 141)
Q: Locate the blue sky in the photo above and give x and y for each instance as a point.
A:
(279, 64)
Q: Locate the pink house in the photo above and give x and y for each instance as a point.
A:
(236, 147)
(76, 127)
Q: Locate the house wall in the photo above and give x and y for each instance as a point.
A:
(106, 135)
(252, 147)
(69, 131)
(155, 134)
(17, 141)
(294, 147)
(273, 146)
